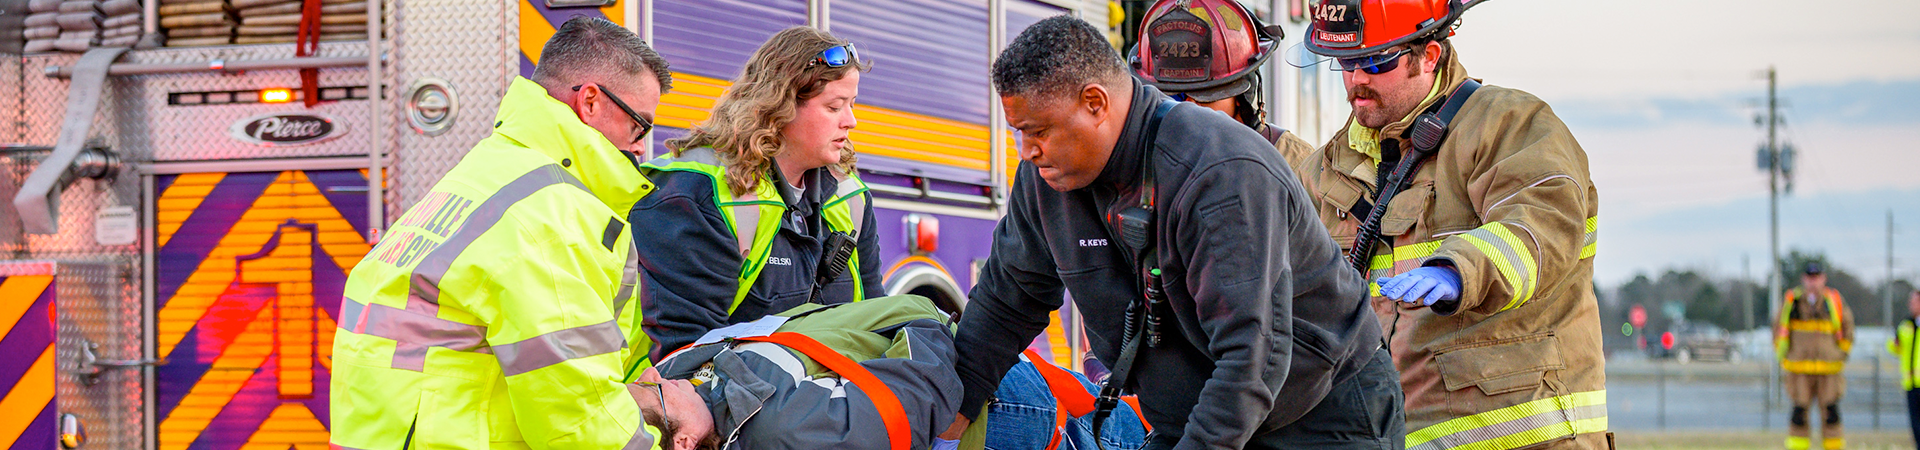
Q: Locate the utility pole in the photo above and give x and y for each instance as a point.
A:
(1771, 161)
(1773, 197)
(1889, 282)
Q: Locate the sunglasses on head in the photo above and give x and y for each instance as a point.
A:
(646, 126)
(836, 56)
(1374, 64)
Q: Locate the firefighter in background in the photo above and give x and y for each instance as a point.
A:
(1210, 52)
(1812, 335)
(1483, 260)
(496, 312)
(1902, 344)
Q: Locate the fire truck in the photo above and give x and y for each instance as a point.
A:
(180, 220)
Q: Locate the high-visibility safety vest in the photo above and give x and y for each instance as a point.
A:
(496, 312)
(763, 209)
(1833, 327)
(1902, 344)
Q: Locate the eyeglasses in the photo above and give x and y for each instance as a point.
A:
(646, 126)
(1177, 96)
(836, 56)
(1374, 64)
(660, 393)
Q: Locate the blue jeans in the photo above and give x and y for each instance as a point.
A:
(1021, 417)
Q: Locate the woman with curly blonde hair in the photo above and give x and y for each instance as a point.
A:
(759, 210)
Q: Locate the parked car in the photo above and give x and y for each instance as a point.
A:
(1698, 342)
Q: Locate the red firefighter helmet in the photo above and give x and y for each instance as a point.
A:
(1348, 28)
(1204, 48)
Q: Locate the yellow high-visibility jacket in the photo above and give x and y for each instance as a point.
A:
(1902, 344)
(497, 311)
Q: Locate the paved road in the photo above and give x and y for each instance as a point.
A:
(1719, 396)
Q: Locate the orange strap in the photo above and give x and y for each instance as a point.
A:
(1074, 400)
(894, 415)
(1067, 390)
(1134, 401)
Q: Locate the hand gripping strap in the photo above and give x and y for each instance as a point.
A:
(894, 415)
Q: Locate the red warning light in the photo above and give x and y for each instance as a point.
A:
(276, 95)
(1666, 340)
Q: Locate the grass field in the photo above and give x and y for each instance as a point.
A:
(1716, 440)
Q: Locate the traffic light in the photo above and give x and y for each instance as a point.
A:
(1626, 329)
(1666, 340)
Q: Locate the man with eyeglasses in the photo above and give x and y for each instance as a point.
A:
(1472, 210)
(497, 311)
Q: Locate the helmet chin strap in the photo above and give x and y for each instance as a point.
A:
(1252, 107)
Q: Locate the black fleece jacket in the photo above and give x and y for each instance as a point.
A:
(1266, 315)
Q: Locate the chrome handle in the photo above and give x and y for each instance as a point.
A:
(92, 367)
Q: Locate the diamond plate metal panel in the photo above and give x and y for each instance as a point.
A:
(99, 302)
(136, 121)
(14, 167)
(472, 45)
(9, 98)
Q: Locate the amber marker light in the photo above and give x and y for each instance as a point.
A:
(276, 95)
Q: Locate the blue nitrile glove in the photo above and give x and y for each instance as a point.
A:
(943, 444)
(1425, 285)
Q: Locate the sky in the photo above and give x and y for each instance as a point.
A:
(1663, 97)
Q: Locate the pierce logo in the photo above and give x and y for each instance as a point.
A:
(286, 129)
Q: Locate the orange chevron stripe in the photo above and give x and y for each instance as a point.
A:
(19, 291)
(229, 373)
(27, 399)
(290, 196)
(181, 199)
(1057, 340)
(290, 425)
(534, 31)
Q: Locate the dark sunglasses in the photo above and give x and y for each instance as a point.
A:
(836, 56)
(1177, 96)
(1374, 64)
(646, 126)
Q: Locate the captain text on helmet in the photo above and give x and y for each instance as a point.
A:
(760, 203)
(1472, 209)
(1210, 52)
(1153, 211)
(496, 312)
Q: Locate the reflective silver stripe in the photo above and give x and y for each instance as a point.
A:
(1507, 431)
(858, 211)
(426, 275)
(559, 346)
(856, 199)
(629, 281)
(413, 330)
(746, 220)
(1514, 264)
